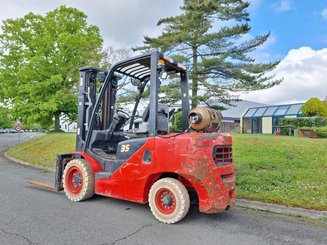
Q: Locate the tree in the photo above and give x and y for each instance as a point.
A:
(39, 61)
(209, 37)
(314, 107)
(6, 120)
(113, 55)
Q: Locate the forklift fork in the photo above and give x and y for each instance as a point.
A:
(60, 163)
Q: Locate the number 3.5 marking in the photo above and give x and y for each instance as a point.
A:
(124, 148)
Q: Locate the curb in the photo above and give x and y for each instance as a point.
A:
(27, 163)
(256, 205)
(274, 208)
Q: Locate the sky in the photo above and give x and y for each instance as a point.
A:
(298, 36)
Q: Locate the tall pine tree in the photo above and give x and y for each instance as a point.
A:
(209, 35)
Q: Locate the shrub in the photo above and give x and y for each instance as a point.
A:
(314, 107)
(299, 122)
(56, 131)
(177, 122)
(321, 131)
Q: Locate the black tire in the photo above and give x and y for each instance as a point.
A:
(78, 180)
(169, 200)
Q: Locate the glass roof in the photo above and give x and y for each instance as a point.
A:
(281, 110)
(250, 112)
(275, 110)
(270, 111)
(260, 112)
(295, 109)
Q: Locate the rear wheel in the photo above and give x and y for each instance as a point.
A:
(78, 180)
(169, 200)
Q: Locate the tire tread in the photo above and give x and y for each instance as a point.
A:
(181, 192)
(87, 191)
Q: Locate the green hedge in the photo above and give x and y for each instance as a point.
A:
(177, 122)
(303, 122)
(321, 131)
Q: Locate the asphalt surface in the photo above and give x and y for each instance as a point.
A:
(6, 140)
(29, 215)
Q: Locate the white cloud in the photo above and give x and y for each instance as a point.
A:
(121, 23)
(305, 75)
(283, 6)
(324, 13)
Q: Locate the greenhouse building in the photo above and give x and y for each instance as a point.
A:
(265, 119)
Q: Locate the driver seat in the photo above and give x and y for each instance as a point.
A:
(118, 121)
(141, 124)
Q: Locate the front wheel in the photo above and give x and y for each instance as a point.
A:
(78, 180)
(169, 200)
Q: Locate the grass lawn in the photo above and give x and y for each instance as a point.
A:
(282, 169)
(277, 169)
(43, 151)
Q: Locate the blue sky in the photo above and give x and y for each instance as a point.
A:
(292, 23)
(299, 40)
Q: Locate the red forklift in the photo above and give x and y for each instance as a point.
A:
(143, 162)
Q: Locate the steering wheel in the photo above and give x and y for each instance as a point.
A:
(123, 114)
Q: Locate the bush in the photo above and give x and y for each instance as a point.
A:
(177, 122)
(321, 131)
(314, 107)
(55, 131)
(299, 122)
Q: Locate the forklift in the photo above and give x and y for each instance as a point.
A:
(134, 157)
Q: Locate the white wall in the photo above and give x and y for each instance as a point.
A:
(66, 125)
(267, 125)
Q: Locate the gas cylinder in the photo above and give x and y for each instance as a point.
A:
(205, 119)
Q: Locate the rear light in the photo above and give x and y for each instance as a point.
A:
(222, 155)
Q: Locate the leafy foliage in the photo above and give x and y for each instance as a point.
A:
(6, 120)
(209, 36)
(113, 55)
(314, 107)
(321, 131)
(39, 61)
(177, 122)
(303, 122)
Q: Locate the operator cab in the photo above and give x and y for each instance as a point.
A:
(111, 128)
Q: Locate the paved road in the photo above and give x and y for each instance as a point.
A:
(8, 139)
(33, 216)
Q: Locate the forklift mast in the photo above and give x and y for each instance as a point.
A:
(149, 65)
(86, 101)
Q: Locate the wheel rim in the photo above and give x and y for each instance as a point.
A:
(74, 180)
(165, 201)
